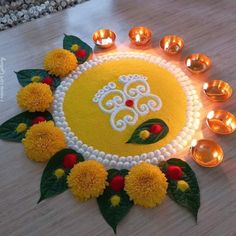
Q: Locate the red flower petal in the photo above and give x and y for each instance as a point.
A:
(38, 119)
(156, 129)
(48, 80)
(81, 53)
(117, 183)
(69, 160)
(174, 172)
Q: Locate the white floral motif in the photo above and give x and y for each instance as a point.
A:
(112, 100)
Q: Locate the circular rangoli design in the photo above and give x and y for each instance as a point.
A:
(104, 100)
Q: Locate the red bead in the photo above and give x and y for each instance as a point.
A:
(38, 119)
(69, 160)
(129, 103)
(174, 172)
(117, 183)
(81, 53)
(48, 80)
(156, 129)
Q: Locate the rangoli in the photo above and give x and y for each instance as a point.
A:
(107, 126)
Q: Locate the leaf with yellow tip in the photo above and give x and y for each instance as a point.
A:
(190, 198)
(8, 130)
(114, 213)
(54, 182)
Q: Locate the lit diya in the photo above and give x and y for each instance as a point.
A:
(172, 44)
(206, 152)
(140, 36)
(197, 63)
(221, 122)
(217, 90)
(104, 38)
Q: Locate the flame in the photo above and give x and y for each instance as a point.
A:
(102, 33)
(216, 155)
(106, 41)
(210, 115)
(194, 143)
(205, 86)
(189, 62)
(137, 38)
(229, 121)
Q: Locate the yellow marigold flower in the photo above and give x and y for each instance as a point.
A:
(87, 180)
(115, 200)
(75, 47)
(144, 134)
(59, 173)
(146, 185)
(43, 140)
(21, 127)
(60, 62)
(35, 97)
(36, 78)
(182, 185)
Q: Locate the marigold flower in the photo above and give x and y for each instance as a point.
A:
(21, 128)
(87, 180)
(75, 47)
(42, 141)
(115, 200)
(59, 173)
(60, 62)
(182, 185)
(146, 185)
(36, 78)
(35, 97)
(144, 134)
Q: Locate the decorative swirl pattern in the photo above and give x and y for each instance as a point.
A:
(106, 88)
(117, 100)
(121, 124)
(135, 88)
(153, 104)
(134, 91)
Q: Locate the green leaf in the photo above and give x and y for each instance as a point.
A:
(25, 77)
(70, 40)
(56, 82)
(189, 198)
(114, 214)
(50, 184)
(8, 128)
(153, 138)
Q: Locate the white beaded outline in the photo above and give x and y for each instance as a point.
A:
(119, 162)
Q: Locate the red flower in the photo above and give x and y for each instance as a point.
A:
(174, 172)
(117, 183)
(48, 80)
(156, 129)
(129, 103)
(81, 53)
(38, 119)
(69, 160)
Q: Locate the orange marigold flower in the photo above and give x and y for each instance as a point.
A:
(87, 180)
(35, 97)
(146, 185)
(42, 141)
(60, 62)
